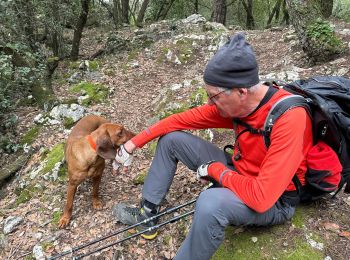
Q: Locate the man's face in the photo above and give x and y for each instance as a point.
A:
(227, 102)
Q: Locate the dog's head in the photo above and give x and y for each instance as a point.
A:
(111, 136)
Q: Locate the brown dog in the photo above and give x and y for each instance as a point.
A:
(92, 140)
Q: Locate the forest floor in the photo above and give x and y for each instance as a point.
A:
(317, 231)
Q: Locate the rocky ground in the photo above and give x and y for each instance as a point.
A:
(143, 84)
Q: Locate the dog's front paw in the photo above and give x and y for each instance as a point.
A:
(63, 222)
(97, 204)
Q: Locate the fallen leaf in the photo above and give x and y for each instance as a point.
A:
(344, 234)
(331, 226)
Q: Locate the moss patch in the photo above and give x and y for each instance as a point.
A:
(269, 244)
(140, 178)
(168, 111)
(54, 156)
(68, 122)
(62, 173)
(152, 147)
(24, 195)
(30, 136)
(97, 93)
(132, 55)
(56, 217)
(73, 65)
(94, 65)
(198, 98)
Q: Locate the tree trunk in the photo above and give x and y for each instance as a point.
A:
(163, 11)
(316, 36)
(25, 13)
(125, 11)
(142, 12)
(196, 6)
(274, 12)
(219, 14)
(55, 33)
(285, 13)
(249, 10)
(79, 29)
(326, 7)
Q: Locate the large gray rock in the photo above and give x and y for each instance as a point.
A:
(11, 224)
(73, 111)
(194, 19)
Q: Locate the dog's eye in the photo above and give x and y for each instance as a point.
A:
(120, 133)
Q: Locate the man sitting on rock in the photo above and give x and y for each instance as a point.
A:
(257, 189)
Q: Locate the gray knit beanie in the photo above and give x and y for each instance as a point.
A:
(233, 66)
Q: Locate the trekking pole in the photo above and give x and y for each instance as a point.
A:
(167, 211)
(135, 235)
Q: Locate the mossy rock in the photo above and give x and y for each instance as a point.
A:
(19, 159)
(97, 93)
(140, 178)
(262, 243)
(30, 136)
(54, 156)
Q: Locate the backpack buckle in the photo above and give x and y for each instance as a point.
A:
(324, 130)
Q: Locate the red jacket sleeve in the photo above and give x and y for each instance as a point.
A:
(202, 117)
(281, 162)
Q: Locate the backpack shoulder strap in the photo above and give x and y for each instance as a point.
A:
(278, 109)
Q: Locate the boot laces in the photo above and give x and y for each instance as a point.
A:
(133, 211)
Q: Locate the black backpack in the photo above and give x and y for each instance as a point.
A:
(327, 99)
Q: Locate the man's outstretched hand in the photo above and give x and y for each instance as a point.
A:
(122, 158)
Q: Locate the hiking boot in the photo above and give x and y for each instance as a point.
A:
(131, 215)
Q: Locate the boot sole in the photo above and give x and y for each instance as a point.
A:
(150, 236)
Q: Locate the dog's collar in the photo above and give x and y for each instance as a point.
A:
(91, 142)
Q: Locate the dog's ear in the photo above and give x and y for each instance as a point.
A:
(104, 146)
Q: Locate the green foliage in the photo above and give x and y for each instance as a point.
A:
(322, 33)
(341, 9)
(97, 93)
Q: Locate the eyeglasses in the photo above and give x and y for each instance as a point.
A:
(214, 97)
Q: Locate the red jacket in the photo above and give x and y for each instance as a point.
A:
(261, 175)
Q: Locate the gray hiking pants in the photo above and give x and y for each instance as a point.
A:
(215, 208)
